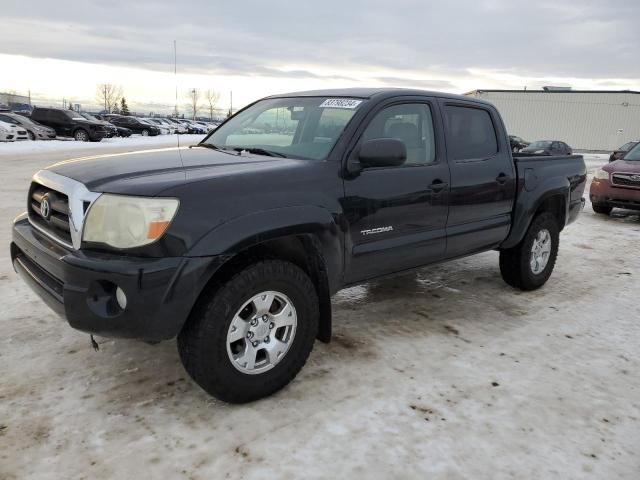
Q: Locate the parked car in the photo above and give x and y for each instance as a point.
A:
(35, 131)
(244, 274)
(548, 147)
(617, 184)
(122, 131)
(7, 132)
(517, 143)
(68, 123)
(620, 152)
(207, 126)
(18, 132)
(164, 130)
(111, 129)
(135, 125)
(192, 127)
(165, 127)
(180, 128)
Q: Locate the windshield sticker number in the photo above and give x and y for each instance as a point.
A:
(348, 103)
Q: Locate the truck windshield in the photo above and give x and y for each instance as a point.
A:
(305, 128)
(633, 155)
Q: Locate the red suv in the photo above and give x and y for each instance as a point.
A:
(617, 184)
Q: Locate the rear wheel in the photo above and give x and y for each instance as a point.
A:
(602, 209)
(251, 336)
(81, 135)
(145, 133)
(529, 264)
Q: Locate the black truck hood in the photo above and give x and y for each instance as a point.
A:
(149, 172)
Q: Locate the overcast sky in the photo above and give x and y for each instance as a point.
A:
(62, 49)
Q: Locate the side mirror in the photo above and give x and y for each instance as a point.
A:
(382, 152)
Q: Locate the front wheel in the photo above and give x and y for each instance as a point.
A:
(601, 209)
(251, 336)
(145, 133)
(81, 135)
(529, 264)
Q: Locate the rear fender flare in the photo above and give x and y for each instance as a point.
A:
(528, 203)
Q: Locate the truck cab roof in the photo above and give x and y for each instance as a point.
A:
(378, 93)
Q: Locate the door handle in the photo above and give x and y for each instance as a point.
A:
(437, 186)
(502, 178)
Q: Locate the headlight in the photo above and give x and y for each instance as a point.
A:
(602, 175)
(127, 222)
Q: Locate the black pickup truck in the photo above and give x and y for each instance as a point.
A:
(236, 245)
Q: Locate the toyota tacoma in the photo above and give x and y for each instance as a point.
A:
(236, 245)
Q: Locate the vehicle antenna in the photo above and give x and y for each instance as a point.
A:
(175, 74)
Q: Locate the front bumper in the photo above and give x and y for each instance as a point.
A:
(80, 286)
(97, 135)
(603, 193)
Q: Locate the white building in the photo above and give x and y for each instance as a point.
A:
(586, 120)
(11, 99)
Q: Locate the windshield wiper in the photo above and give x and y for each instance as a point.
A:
(209, 145)
(260, 151)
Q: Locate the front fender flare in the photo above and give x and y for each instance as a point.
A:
(240, 233)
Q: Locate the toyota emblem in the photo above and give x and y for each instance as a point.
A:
(45, 208)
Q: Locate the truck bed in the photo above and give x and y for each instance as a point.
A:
(546, 178)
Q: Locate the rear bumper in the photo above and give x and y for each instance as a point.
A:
(81, 286)
(602, 193)
(575, 208)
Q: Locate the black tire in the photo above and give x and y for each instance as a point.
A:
(515, 263)
(32, 136)
(81, 135)
(202, 344)
(602, 209)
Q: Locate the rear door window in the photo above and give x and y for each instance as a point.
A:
(471, 133)
(60, 116)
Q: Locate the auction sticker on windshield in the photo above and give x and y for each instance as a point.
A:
(349, 103)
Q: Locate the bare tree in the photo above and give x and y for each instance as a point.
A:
(193, 95)
(212, 97)
(108, 95)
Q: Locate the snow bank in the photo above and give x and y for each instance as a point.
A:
(70, 145)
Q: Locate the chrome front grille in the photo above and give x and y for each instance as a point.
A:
(57, 206)
(626, 179)
(49, 209)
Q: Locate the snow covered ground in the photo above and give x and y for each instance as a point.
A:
(444, 374)
(67, 148)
